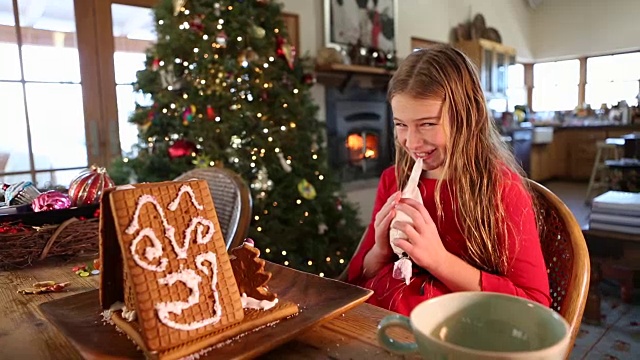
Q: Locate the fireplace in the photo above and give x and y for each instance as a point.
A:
(358, 132)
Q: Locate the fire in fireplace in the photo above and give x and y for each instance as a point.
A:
(358, 132)
(363, 148)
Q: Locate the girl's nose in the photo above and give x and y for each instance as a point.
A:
(413, 139)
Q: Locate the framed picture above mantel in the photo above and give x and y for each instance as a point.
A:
(371, 23)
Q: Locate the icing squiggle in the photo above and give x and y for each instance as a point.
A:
(211, 258)
(151, 252)
(169, 231)
(192, 280)
(185, 188)
(197, 223)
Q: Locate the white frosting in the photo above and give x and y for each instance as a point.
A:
(192, 280)
(125, 187)
(151, 252)
(118, 305)
(402, 269)
(185, 188)
(251, 303)
(169, 231)
(213, 263)
(198, 223)
(129, 315)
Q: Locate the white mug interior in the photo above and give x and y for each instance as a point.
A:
(483, 322)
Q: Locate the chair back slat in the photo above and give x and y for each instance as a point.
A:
(231, 198)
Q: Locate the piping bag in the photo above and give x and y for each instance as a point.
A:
(402, 266)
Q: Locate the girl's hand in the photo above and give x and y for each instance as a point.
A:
(381, 225)
(424, 245)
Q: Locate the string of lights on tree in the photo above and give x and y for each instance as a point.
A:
(228, 90)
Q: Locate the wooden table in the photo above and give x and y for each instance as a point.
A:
(26, 334)
(612, 255)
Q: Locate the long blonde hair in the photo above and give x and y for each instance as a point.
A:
(476, 156)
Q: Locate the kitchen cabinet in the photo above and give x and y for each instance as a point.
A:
(492, 60)
(571, 154)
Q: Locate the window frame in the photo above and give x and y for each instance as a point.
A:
(95, 46)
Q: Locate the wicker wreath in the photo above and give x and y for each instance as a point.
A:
(71, 238)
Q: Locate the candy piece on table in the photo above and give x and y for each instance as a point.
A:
(44, 287)
(23, 192)
(51, 200)
(75, 269)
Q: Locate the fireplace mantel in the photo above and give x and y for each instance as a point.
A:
(341, 75)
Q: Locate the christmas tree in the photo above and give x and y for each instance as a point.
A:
(228, 90)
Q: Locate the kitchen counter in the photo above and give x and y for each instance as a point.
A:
(571, 151)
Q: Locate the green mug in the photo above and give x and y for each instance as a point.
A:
(481, 326)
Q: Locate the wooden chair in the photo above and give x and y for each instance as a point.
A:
(232, 200)
(566, 256)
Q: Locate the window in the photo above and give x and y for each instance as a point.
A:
(613, 78)
(516, 89)
(41, 109)
(555, 85)
(130, 46)
(63, 105)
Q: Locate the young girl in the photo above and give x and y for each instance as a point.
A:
(476, 230)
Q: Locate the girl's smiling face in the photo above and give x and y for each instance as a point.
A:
(420, 130)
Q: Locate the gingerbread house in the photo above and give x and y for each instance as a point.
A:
(167, 280)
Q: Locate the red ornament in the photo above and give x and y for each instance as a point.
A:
(309, 79)
(211, 114)
(181, 148)
(196, 24)
(88, 187)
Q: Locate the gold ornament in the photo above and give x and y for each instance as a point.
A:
(289, 53)
(306, 190)
(144, 126)
(202, 161)
(242, 56)
(252, 55)
(258, 32)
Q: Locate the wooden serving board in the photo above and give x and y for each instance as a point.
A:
(79, 318)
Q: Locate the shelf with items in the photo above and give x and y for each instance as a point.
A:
(341, 75)
(492, 60)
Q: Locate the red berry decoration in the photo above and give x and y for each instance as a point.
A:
(88, 187)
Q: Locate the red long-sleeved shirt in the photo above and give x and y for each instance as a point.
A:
(526, 277)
